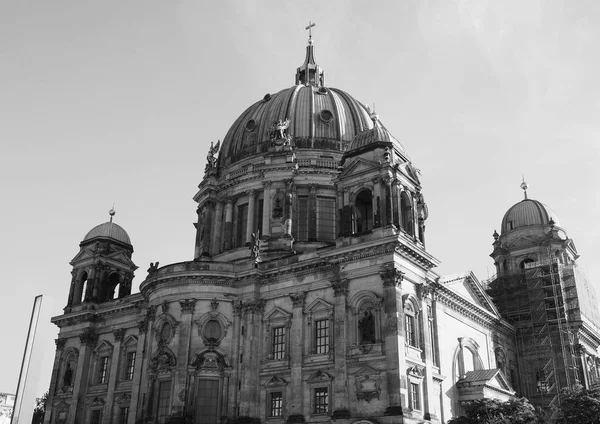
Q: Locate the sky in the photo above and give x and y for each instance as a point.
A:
(114, 101)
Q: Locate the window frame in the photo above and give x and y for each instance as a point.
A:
(322, 336)
(317, 407)
(318, 310)
(273, 408)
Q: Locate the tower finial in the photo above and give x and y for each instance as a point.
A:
(524, 186)
(311, 24)
(310, 73)
(112, 212)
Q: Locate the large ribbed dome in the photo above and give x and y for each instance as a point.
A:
(319, 117)
(526, 213)
(108, 230)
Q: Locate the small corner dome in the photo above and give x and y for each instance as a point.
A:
(371, 138)
(528, 212)
(108, 230)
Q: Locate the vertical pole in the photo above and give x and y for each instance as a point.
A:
(35, 314)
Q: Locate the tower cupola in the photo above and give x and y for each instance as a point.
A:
(309, 73)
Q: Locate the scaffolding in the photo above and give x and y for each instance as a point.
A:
(538, 301)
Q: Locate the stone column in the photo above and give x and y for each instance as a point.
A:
(54, 379)
(312, 213)
(77, 408)
(289, 204)
(147, 380)
(218, 230)
(228, 228)
(415, 215)
(399, 189)
(207, 229)
(296, 353)
(200, 211)
(389, 203)
(394, 341)
(113, 376)
(73, 289)
(266, 223)
(251, 214)
(183, 354)
(340, 389)
(93, 275)
(137, 373)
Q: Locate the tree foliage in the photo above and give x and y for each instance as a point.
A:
(40, 409)
(581, 406)
(493, 411)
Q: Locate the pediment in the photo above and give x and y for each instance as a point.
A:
(523, 242)
(320, 376)
(276, 381)
(366, 371)
(358, 166)
(82, 256)
(277, 313)
(122, 258)
(318, 305)
(131, 340)
(468, 287)
(104, 346)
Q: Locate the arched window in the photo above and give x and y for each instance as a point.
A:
(411, 323)
(363, 219)
(466, 358)
(113, 282)
(83, 286)
(524, 262)
(407, 213)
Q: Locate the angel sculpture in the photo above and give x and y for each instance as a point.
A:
(211, 159)
(279, 131)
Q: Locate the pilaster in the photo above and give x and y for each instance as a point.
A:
(107, 417)
(394, 340)
(296, 352)
(266, 223)
(77, 409)
(340, 389)
(251, 214)
(218, 230)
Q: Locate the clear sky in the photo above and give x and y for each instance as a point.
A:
(115, 101)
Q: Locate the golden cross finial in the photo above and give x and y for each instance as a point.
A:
(309, 28)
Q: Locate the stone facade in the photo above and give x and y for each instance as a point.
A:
(311, 296)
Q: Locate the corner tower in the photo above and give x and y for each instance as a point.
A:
(539, 288)
(103, 269)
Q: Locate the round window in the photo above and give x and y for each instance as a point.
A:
(251, 125)
(326, 116)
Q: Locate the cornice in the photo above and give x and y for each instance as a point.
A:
(471, 311)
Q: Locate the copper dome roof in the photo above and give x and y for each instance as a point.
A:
(108, 230)
(528, 212)
(320, 118)
(373, 137)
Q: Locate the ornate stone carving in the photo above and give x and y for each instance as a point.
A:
(255, 248)
(163, 361)
(143, 325)
(237, 308)
(424, 290)
(391, 277)
(211, 160)
(368, 387)
(151, 312)
(279, 135)
(298, 299)
(187, 306)
(254, 306)
(340, 287)
(214, 304)
(118, 334)
(60, 342)
(125, 398)
(165, 307)
(88, 337)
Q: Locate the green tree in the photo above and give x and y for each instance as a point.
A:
(581, 406)
(40, 409)
(493, 411)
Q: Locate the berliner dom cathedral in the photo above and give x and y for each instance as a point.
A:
(311, 296)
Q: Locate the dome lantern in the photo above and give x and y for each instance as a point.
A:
(309, 73)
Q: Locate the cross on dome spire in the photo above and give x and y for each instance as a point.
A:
(524, 186)
(310, 73)
(311, 24)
